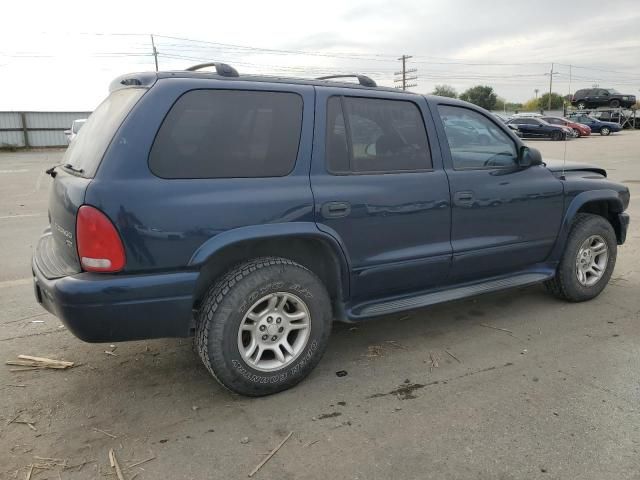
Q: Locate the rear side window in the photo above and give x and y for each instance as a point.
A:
(228, 133)
(86, 151)
(366, 135)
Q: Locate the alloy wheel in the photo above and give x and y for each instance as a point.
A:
(592, 260)
(274, 331)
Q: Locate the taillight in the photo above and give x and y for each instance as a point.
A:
(99, 246)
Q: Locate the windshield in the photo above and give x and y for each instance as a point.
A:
(85, 153)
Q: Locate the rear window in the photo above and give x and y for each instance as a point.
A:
(86, 150)
(227, 134)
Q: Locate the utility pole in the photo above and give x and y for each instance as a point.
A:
(551, 74)
(404, 79)
(570, 80)
(155, 52)
(550, 86)
(536, 90)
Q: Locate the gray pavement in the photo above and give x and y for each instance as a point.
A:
(429, 395)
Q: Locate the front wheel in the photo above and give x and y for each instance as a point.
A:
(605, 131)
(581, 106)
(588, 260)
(576, 133)
(614, 103)
(264, 326)
(556, 136)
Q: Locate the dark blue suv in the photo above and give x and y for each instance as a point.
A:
(250, 212)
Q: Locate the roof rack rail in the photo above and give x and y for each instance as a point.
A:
(222, 69)
(363, 79)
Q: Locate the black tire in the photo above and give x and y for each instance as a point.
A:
(565, 284)
(614, 103)
(576, 133)
(581, 106)
(556, 136)
(224, 307)
(605, 131)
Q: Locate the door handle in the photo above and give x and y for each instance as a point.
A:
(336, 209)
(463, 198)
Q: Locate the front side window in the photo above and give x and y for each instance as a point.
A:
(227, 134)
(484, 145)
(366, 135)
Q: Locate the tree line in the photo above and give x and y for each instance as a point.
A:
(484, 96)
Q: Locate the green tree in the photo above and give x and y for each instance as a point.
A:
(481, 95)
(445, 91)
(556, 101)
(531, 105)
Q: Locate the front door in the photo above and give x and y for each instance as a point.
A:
(504, 218)
(380, 189)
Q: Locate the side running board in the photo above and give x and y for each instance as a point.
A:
(456, 293)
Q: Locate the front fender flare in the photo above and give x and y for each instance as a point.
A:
(608, 195)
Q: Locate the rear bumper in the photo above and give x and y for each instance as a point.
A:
(111, 308)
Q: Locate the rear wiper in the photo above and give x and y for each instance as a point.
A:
(68, 166)
(52, 171)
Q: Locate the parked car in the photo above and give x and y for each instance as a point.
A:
(596, 126)
(578, 129)
(601, 97)
(75, 129)
(250, 212)
(535, 127)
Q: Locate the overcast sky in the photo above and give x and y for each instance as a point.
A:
(62, 56)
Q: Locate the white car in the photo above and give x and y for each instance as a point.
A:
(75, 128)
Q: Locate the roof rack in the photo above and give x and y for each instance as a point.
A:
(363, 79)
(222, 69)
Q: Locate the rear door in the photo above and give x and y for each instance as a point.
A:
(380, 189)
(56, 253)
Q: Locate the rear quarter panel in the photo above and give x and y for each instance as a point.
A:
(163, 222)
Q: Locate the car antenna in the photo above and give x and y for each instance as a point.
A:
(564, 158)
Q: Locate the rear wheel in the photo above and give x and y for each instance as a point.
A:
(614, 103)
(588, 260)
(264, 326)
(581, 105)
(605, 131)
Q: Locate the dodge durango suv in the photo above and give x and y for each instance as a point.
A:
(250, 212)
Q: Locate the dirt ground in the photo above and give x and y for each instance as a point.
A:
(433, 394)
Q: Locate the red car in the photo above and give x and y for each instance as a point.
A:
(579, 129)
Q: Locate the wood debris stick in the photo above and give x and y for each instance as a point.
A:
(29, 473)
(39, 362)
(142, 461)
(114, 464)
(111, 353)
(496, 328)
(106, 433)
(12, 385)
(26, 422)
(273, 452)
(452, 356)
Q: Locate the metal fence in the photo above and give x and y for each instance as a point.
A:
(36, 129)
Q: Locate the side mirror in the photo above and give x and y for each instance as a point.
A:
(529, 157)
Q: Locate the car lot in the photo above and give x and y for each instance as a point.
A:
(513, 385)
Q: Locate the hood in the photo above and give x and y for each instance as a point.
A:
(559, 166)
